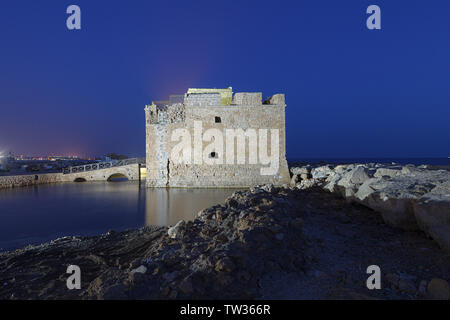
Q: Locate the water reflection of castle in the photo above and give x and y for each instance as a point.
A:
(167, 206)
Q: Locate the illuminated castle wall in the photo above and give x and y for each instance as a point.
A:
(204, 109)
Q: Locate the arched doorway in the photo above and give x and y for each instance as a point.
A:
(117, 177)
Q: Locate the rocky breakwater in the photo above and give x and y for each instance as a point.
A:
(409, 197)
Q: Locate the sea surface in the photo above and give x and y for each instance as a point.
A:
(402, 161)
(37, 214)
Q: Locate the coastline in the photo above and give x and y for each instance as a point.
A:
(267, 242)
(27, 179)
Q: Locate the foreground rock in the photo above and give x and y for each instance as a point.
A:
(407, 197)
(438, 289)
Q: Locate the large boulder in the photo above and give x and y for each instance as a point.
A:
(396, 198)
(332, 181)
(301, 170)
(359, 175)
(321, 172)
(432, 213)
(369, 187)
(348, 185)
(390, 172)
(396, 211)
(294, 180)
(308, 183)
(340, 168)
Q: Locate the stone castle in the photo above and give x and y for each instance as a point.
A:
(185, 138)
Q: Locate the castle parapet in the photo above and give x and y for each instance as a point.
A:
(276, 99)
(165, 114)
(247, 98)
(202, 99)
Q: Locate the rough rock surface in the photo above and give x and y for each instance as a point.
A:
(407, 197)
(266, 242)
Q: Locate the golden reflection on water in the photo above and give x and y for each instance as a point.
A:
(42, 213)
(168, 206)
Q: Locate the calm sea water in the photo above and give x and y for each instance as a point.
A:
(402, 161)
(32, 215)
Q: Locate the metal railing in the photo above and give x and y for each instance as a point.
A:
(103, 165)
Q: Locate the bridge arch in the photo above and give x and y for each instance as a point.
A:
(79, 179)
(118, 176)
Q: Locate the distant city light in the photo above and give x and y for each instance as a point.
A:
(50, 157)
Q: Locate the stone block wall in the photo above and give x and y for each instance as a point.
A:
(29, 180)
(202, 99)
(248, 98)
(156, 155)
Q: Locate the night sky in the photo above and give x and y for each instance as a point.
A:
(350, 91)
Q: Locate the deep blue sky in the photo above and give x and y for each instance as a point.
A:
(350, 91)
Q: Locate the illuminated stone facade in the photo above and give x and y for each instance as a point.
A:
(205, 109)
